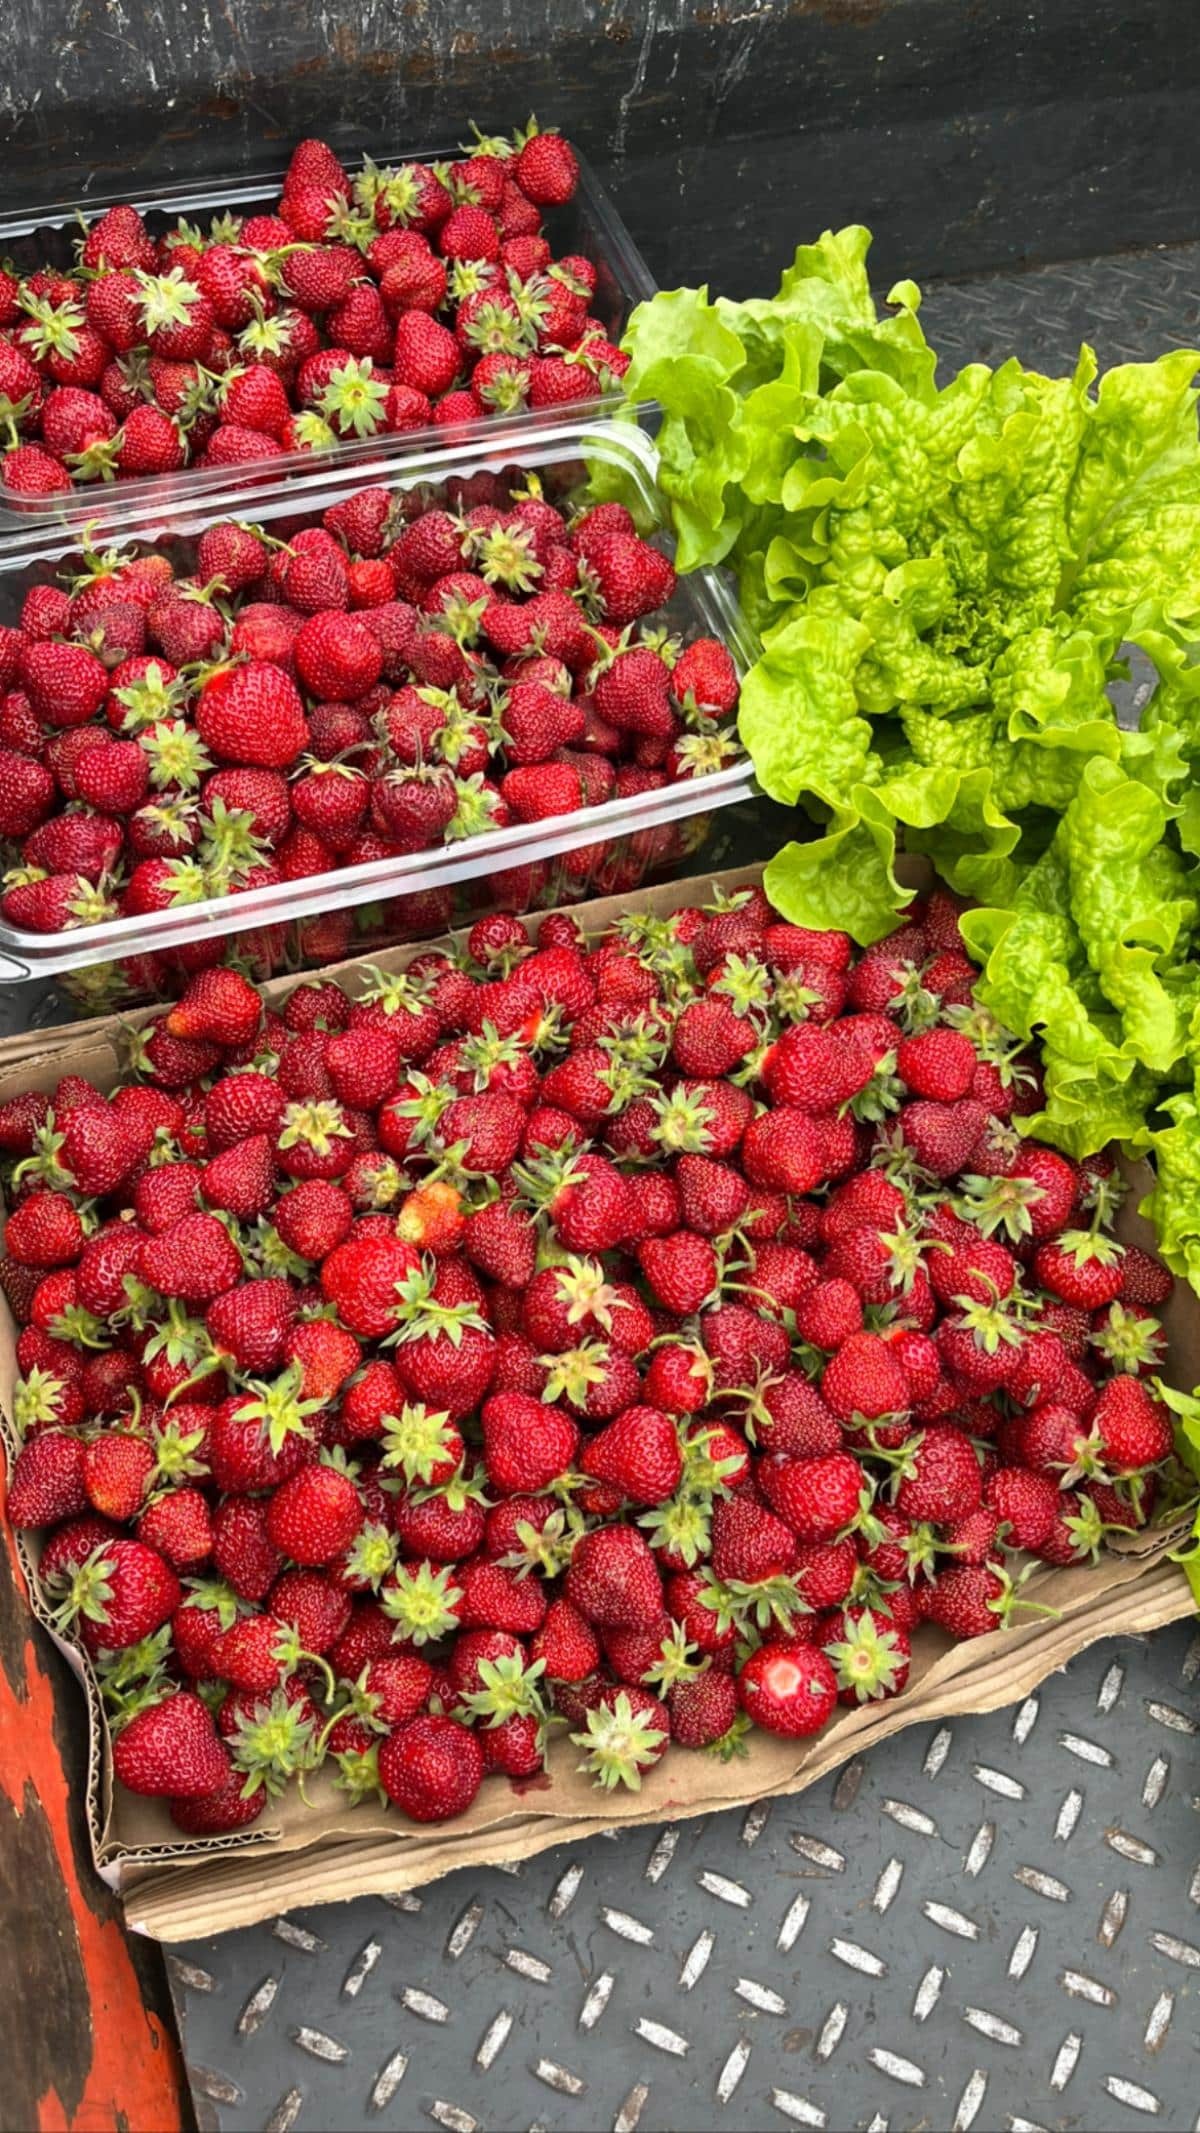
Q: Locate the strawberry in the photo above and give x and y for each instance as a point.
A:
(816, 1497)
(1026, 1503)
(44, 1231)
(704, 1712)
(117, 1467)
(789, 1688)
(1131, 1427)
(171, 1749)
(252, 714)
(48, 1480)
(227, 1808)
(785, 1151)
(829, 1313)
(939, 1477)
(869, 1652)
(242, 1553)
(565, 1643)
(527, 1444)
(638, 1453)
(1144, 1280)
(969, 1600)
(938, 1064)
(682, 1270)
(864, 1380)
(1083, 1269)
(218, 1006)
(178, 1526)
(123, 1592)
(431, 1768)
(613, 1580)
(195, 1259)
(314, 1515)
(942, 1135)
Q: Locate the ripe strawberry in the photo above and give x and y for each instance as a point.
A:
(47, 1483)
(613, 1579)
(1144, 1280)
(178, 1526)
(314, 1515)
(750, 1543)
(969, 1600)
(527, 1443)
(864, 1380)
(940, 1478)
(1132, 1428)
(1083, 1269)
(565, 1643)
(829, 1313)
(431, 1768)
(788, 1687)
(817, 1498)
(638, 1453)
(942, 1135)
(195, 1259)
(1027, 1503)
(242, 1553)
(786, 1151)
(869, 1652)
(227, 1808)
(938, 1064)
(117, 1466)
(682, 1270)
(123, 1592)
(218, 1006)
(704, 1712)
(44, 1231)
(252, 714)
(171, 1749)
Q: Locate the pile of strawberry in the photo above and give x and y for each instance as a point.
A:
(372, 306)
(638, 1337)
(394, 677)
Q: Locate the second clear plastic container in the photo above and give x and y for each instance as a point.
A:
(588, 225)
(597, 850)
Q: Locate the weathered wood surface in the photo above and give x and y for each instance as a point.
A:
(86, 2044)
(966, 132)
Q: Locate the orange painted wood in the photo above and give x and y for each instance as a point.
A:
(86, 2042)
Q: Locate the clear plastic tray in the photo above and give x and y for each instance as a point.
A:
(588, 225)
(702, 605)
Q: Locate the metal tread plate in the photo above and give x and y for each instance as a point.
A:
(994, 1925)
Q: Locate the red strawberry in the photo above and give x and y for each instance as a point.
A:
(1083, 1268)
(431, 1768)
(48, 1481)
(940, 1479)
(639, 1453)
(171, 1749)
(122, 1593)
(314, 1515)
(527, 1443)
(613, 1579)
(1132, 1428)
(818, 1497)
(789, 1688)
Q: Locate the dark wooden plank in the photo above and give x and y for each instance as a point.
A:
(968, 132)
(86, 2042)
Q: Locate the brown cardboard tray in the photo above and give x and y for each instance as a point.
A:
(176, 1889)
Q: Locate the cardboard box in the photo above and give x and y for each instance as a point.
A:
(175, 1889)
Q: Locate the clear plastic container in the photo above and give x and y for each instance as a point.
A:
(561, 456)
(588, 225)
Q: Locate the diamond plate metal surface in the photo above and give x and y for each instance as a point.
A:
(994, 1923)
(1127, 308)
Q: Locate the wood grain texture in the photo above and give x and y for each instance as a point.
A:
(85, 2041)
(967, 132)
